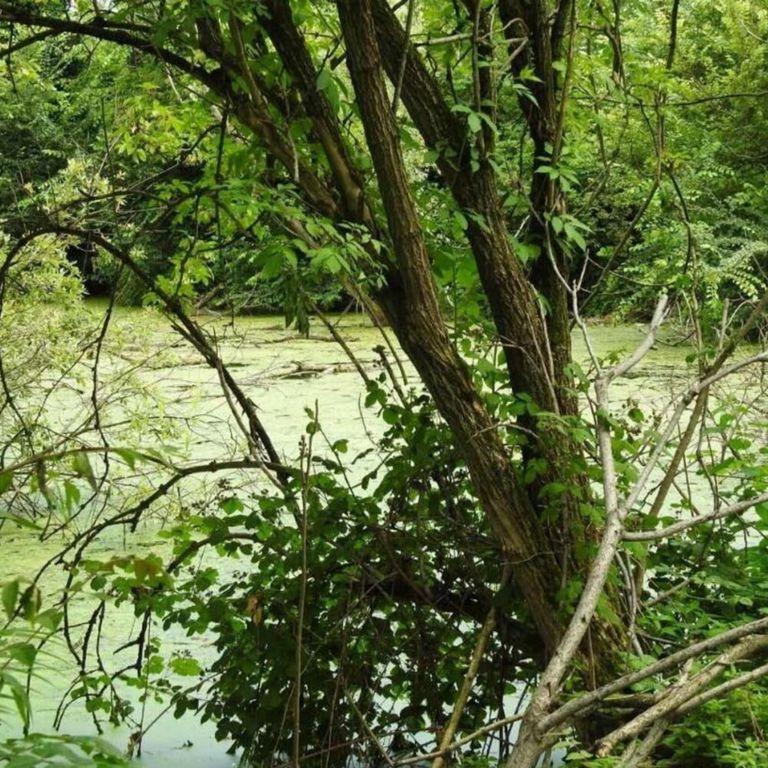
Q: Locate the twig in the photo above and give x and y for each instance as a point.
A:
(484, 731)
(572, 708)
(339, 339)
(723, 689)
(306, 479)
(466, 687)
(404, 60)
(680, 694)
(371, 735)
(684, 525)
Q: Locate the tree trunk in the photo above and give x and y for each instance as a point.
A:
(414, 312)
(537, 348)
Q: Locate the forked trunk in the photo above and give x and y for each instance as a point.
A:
(541, 556)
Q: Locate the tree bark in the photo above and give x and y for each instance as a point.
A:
(412, 305)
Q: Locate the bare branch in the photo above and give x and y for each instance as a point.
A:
(682, 693)
(645, 346)
(684, 525)
(572, 708)
(722, 690)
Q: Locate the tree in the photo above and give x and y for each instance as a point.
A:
(346, 173)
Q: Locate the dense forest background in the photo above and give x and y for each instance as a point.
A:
(660, 145)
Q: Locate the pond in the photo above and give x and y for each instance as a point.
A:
(157, 388)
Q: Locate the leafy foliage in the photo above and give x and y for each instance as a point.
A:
(349, 593)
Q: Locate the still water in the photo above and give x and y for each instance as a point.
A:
(156, 388)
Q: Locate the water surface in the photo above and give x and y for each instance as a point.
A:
(158, 391)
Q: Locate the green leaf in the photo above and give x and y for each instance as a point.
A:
(128, 456)
(81, 465)
(30, 602)
(6, 481)
(49, 619)
(23, 652)
(390, 415)
(147, 567)
(185, 666)
(575, 236)
(22, 704)
(9, 596)
(324, 79)
(71, 495)
(231, 505)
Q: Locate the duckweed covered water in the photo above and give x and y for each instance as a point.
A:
(161, 390)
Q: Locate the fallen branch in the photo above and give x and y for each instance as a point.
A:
(678, 695)
(578, 706)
